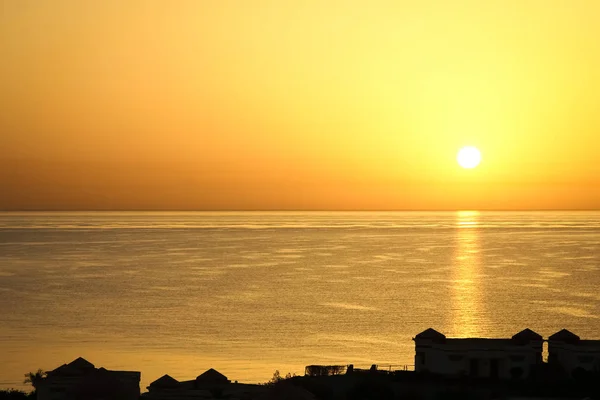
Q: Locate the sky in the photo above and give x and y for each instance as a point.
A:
(298, 105)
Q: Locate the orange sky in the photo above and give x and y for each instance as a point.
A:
(270, 104)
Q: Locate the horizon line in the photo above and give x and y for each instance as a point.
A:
(309, 210)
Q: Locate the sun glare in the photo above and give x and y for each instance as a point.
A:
(468, 157)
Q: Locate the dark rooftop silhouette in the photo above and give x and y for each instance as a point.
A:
(432, 334)
(212, 376)
(524, 336)
(81, 380)
(527, 335)
(564, 335)
(165, 381)
(81, 363)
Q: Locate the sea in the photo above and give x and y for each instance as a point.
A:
(249, 293)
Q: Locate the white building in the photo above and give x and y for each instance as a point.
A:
(484, 358)
(567, 351)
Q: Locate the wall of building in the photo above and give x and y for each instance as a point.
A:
(447, 359)
(63, 387)
(574, 356)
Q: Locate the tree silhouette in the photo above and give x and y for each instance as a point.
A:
(34, 378)
(278, 378)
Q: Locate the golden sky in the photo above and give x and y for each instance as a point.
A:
(312, 104)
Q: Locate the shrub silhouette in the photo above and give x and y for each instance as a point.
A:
(13, 394)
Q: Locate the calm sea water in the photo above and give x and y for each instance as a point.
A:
(249, 293)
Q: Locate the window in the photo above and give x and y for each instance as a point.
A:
(455, 357)
(421, 356)
(585, 359)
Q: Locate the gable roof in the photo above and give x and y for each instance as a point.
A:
(564, 336)
(212, 375)
(76, 367)
(81, 363)
(430, 334)
(527, 335)
(59, 370)
(165, 381)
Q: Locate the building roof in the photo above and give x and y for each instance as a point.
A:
(78, 366)
(212, 375)
(527, 335)
(482, 341)
(564, 336)
(165, 381)
(81, 367)
(430, 334)
(81, 363)
(523, 337)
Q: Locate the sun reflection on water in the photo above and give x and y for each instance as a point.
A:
(466, 295)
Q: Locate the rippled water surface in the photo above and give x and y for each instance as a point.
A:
(248, 293)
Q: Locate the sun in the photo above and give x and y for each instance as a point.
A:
(468, 157)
